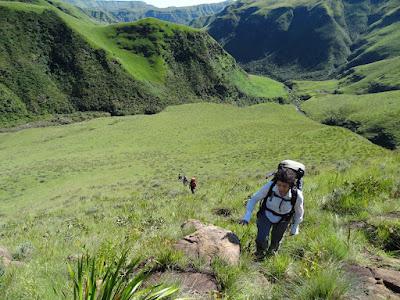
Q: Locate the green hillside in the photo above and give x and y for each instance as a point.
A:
(322, 49)
(380, 76)
(307, 39)
(111, 182)
(54, 59)
(375, 116)
(381, 39)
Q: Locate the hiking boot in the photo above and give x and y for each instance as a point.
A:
(259, 255)
(271, 253)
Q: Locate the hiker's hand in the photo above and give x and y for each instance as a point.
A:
(243, 222)
(294, 230)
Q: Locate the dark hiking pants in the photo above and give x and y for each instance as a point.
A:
(264, 227)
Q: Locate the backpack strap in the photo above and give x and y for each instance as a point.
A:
(263, 204)
(293, 199)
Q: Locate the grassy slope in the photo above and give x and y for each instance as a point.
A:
(371, 78)
(138, 66)
(311, 88)
(259, 86)
(51, 69)
(380, 41)
(122, 69)
(375, 116)
(154, 69)
(112, 181)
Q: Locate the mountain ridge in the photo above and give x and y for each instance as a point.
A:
(128, 11)
(58, 61)
(307, 39)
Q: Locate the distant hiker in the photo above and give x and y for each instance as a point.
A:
(179, 177)
(281, 200)
(193, 185)
(185, 181)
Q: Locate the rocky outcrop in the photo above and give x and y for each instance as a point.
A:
(375, 283)
(209, 242)
(194, 285)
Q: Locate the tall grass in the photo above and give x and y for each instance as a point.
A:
(324, 282)
(94, 279)
(112, 182)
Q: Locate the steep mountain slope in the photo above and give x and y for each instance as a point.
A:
(53, 59)
(110, 183)
(355, 44)
(308, 38)
(128, 11)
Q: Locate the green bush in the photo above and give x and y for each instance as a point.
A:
(355, 196)
(23, 251)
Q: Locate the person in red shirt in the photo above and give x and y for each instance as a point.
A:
(193, 185)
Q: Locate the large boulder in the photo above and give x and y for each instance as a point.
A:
(209, 242)
(375, 283)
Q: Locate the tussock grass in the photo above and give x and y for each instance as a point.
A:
(323, 283)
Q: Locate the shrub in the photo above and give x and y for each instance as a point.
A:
(23, 251)
(355, 197)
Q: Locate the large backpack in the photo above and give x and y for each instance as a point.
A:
(299, 170)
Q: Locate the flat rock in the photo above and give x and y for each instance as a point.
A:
(375, 283)
(390, 278)
(192, 284)
(209, 242)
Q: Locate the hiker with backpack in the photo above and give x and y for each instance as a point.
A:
(193, 185)
(281, 201)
